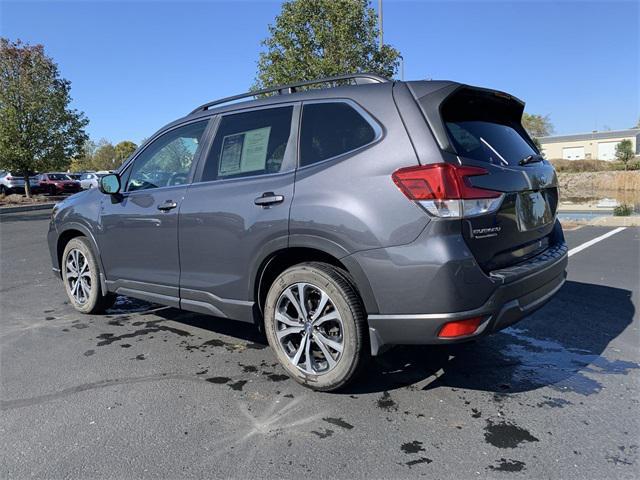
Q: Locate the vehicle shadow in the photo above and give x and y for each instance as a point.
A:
(558, 346)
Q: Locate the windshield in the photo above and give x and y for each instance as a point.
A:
(58, 176)
(489, 142)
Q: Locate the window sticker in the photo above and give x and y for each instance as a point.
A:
(244, 152)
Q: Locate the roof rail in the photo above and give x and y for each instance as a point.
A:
(359, 78)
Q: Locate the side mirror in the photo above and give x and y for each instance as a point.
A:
(110, 184)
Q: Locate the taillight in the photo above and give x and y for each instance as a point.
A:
(9, 178)
(444, 190)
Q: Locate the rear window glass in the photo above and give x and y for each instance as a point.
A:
(489, 142)
(486, 127)
(331, 129)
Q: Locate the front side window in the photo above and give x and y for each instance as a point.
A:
(331, 129)
(249, 143)
(167, 160)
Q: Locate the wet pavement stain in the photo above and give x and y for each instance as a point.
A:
(140, 357)
(418, 461)
(506, 435)
(88, 353)
(203, 372)
(152, 327)
(248, 368)
(276, 377)
(508, 466)
(125, 345)
(547, 362)
(385, 402)
(218, 380)
(339, 422)
(49, 318)
(554, 403)
(325, 434)
(475, 413)
(80, 326)
(237, 386)
(412, 447)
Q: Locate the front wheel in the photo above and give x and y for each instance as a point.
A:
(81, 276)
(316, 325)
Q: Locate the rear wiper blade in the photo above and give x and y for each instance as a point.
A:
(530, 159)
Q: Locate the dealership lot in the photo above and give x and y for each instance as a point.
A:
(155, 392)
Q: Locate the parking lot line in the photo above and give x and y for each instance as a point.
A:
(593, 241)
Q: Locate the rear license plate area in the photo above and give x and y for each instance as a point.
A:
(532, 211)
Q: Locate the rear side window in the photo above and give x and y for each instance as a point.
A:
(486, 128)
(331, 129)
(248, 144)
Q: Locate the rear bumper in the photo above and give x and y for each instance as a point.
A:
(522, 290)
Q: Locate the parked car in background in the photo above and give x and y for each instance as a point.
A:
(75, 176)
(11, 182)
(341, 220)
(90, 180)
(57, 183)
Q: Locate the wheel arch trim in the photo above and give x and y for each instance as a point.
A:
(86, 232)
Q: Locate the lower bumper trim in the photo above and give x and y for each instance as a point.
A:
(508, 305)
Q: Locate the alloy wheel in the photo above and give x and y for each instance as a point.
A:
(309, 328)
(78, 275)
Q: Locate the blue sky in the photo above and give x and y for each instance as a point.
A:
(135, 66)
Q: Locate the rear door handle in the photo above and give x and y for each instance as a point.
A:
(268, 198)
(168, 205)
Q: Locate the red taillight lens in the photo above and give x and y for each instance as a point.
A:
(9, 177)
(440, 181)
(460, 328)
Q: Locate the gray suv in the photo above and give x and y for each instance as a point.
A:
(341, 220)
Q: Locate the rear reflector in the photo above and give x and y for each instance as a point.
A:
(460, 328)
(444, 190)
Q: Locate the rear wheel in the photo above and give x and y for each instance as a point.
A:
(81, 276)
(315, 323)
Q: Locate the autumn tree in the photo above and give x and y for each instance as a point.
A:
(38, 129)
(322, 38)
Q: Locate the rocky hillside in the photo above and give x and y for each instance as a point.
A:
(590, 183)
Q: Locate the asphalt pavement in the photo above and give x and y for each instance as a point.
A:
(153, 392)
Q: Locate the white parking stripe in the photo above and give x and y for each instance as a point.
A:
(593, 241)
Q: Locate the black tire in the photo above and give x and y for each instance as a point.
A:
(52, 190)
(3, 190)
(352, 332)
(96, 301)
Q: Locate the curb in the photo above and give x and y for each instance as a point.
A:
(25, 208)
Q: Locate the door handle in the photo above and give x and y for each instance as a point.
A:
(168, 205)
(268, 198)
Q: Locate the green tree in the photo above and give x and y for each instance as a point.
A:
(105, 157)
(124, 150)
(624, 152)
(84, 161)
(320, 38)
(537, 125)
(38, 130)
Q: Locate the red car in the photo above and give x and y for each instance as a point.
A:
(57, 183)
